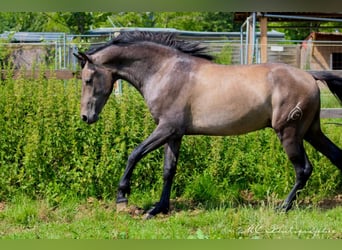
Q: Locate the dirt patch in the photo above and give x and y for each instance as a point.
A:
(2, 206)
(326, 203)
(247, 198)
(331, 202)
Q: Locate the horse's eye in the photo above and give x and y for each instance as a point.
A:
(88, 81)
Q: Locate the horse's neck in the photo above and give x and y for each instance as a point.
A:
(135, 73)
(137, 64)
(140, 64)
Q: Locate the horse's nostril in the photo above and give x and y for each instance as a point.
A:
(84, 118)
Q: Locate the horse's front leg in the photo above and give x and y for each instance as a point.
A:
(170, 165)
(159, 136)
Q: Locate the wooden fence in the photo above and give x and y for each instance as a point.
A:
(331, 112)
(68, 74)
(59, 74)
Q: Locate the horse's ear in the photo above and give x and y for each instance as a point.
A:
(82, 58)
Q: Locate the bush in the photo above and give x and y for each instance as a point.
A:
(47, 151)
(225, 55)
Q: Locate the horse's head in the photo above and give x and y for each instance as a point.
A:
(97, 85)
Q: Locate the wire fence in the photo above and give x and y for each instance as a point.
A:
(318, 55)
(58, 55)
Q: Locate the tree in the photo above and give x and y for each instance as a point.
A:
(133, 19)
(21, 21)
(300, 30)
(69, 22)
(196, 21)
(220, 21)
(79, 22)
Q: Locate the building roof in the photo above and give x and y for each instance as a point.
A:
(199, 35)
(324, 36)
(291, 16)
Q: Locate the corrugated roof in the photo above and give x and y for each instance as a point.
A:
(241, 16)
(200, 35)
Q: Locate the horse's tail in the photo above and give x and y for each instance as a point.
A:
(332, 80)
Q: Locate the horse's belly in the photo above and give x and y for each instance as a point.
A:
(229, 123)
(233, 107)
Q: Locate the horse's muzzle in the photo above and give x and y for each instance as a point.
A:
(90, 119)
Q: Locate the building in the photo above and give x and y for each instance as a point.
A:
(30, 49)
(321, 51)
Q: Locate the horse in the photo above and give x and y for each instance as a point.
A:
(187, 93)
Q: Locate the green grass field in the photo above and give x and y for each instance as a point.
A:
(93, 219)
(328, 100)
(51, 163)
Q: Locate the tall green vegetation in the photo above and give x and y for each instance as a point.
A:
(81, 22)
(46, 151)
(69, 22)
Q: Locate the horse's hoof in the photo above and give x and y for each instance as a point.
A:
(148, 216)
(283, 208)
(121, 207)
(152, 212)
(279, 209)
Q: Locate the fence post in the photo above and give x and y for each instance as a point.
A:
(263, 39)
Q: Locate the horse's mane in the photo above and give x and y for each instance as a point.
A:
(164, 38)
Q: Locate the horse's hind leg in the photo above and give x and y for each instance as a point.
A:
(294, 149)
(322, 143)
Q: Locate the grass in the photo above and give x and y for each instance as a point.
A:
(50, 153)
(328, 100)
(23, 218)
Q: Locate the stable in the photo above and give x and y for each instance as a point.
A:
(321, 51)
(250, 19)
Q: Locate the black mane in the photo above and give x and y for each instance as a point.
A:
(164, 38)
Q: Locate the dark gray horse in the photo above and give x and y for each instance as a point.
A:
(188, 94)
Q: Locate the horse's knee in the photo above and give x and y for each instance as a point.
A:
(301, 163)
(303, 173)
(303, 177)
(169, 173)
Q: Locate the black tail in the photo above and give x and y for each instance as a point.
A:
(332, 80)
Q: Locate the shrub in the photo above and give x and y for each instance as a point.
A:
(47, 151)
